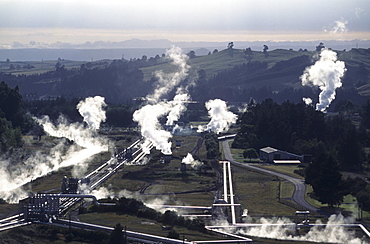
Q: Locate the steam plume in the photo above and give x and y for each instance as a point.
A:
(148, 119)
(178, 107)
(63, 154)
(148, 116)
(167, 81)
(307, 101)
(154, 203)
(333, 232)
(221, 117)
(326, 73)
(191, 161)
(92, 111)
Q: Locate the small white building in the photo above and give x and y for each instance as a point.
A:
(276, 156)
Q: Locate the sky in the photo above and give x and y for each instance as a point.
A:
(81, 21)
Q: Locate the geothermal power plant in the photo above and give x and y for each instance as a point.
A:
(52, 208)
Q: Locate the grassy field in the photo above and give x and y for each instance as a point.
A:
(166, 181)
(148, 226)
(39, 66)
(222, 60)
(348, 207)
(257, 192)
(285, 169)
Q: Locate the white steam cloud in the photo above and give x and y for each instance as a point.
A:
(221, 117)
(154, 203)
(282, 229)
(92, 111)
(148, 120)
(148, 116)
(326, 73)
(168, 81)
(307, 101)
(191, 161)
(177, 108)
(63, 154)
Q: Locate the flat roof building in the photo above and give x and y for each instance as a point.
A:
(273, 155)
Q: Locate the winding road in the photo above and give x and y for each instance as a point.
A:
(299, 186)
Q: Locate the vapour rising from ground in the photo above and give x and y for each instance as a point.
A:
(189, 160)
(221, 117)
(284, 229)
(92, 111)
(150, 201)
(326, 74)
(86, 143)
(148, 116)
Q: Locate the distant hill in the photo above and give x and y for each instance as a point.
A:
(136, 48)
(233, 75)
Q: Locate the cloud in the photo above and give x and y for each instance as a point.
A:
(178, 107)
(307, 100)
(86, 143)
(221, 117)
(191, 161)
(282, 229)
(327, 74)
(92, 111)
(148, 116)
(168, 81)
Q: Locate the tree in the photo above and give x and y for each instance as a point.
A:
(11, 103)
(191, 54)
(319, 47)
(173, 234)
(350, 152)
(212, 146)
(9, 137)
(202, 75)
(365, 115)
(230, 49)
(169, 218)
(265, 48)
(117, 235)
(326, 180)
(58, 65)
(249, 53)
(215, 51)
(250, 153)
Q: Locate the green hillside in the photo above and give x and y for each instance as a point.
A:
(216, 62)
(234, 75)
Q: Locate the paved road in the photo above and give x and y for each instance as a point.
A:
(299, 186)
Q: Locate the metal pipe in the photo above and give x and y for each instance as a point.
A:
(233, 218)
(225, 180)
(77, 196)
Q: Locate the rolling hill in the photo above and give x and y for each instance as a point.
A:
(231, 74)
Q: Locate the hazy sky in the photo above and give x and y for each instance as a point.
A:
(177, 20)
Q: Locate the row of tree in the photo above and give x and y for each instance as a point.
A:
(335, 143)
(119, 115)
(137, 208)
(13, 119)
(303, 130)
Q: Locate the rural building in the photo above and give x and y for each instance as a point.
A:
(276, 156)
